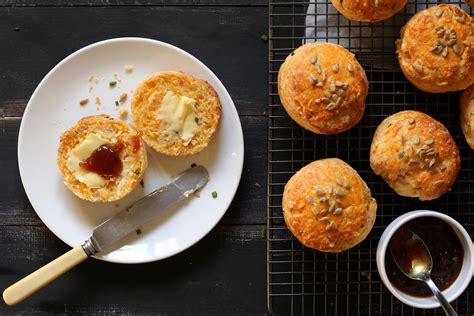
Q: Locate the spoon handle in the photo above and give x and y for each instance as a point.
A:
(448, 309)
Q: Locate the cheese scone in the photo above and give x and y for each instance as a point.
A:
(368, 10)
(327, 206)
(323, 88)
(177, 113)
(467, 115)
(436, 49)
(415, 155)
(102, 159)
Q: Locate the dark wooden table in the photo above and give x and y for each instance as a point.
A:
(225, 273)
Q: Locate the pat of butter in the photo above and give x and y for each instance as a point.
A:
(178, 114)
(80, 153)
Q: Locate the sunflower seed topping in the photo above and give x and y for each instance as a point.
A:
(318, 100)
(327, 94)
(325, 100)
(313, 78)
(332, 87)
(341, 92)
(418, 67)
(338, 83)
(432, 163)
(323, 212)
(337, 211)
(350, 68)
(429, 142)
(444, 53)
(456, 49)
(339, 181)
(416, 139)
(309, 199)
(331, 226)
(324, 219)
(319, 192)
(347, 185)
(331, 106)
(318, 69)
(323, 200)
(459, 19)
(334, 97)
(411, 120)
(315, 211)
(338, 192)
(467, 43)
(439, 12)
(338, 101)
(442, 167)
(332, 207)
(335, 68)
(401, 153)
(438, 182)
(314, 59)
(319, 84)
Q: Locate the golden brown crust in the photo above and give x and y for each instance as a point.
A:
(469, 3)
(415, 155)
(146, 101)
(467, 115)
(134, 163)
(308, 209)
(318, 98)
(426, 39)
(368, 10)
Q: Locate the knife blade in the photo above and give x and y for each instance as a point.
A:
(144, 210)
(111, 231)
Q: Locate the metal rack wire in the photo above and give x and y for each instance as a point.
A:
(306, 282)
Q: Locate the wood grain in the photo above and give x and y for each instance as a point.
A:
(73, 3)
(226, 39)
(223, 274)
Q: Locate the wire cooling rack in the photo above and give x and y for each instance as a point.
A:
(306, 282)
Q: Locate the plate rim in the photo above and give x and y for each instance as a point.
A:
(155, 42)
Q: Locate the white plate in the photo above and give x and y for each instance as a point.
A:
(54, 107)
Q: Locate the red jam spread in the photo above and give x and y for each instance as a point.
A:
(136, 142)
(105, 161)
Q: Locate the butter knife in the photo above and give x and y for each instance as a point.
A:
(111, 231)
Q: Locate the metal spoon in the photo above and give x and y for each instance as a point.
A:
(414, 259)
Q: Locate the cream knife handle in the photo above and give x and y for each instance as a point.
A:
(41, 277)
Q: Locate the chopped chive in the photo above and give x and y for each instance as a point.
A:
(138, 231)
(112, 83)
(214, 194)
(264, 38)
(116, 103)
(263, 232)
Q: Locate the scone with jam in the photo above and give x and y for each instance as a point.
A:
(101, 159)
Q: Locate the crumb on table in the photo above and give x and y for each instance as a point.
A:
(84, 101)
(97, 100)
(128, 68)
(123, 112)
(123, 97)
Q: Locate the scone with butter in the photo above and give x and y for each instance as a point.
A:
(467, 115)
(436, 49)
(415, 155)
(323, 88)
(177, 113)
(327, 206)
(101, 159)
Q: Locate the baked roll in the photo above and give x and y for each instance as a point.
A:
(177, 113)
(467, 115)
(415, 155)
(435, 49)
(101, 159)
(368, 10)
(327, 206)
(323, 88)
